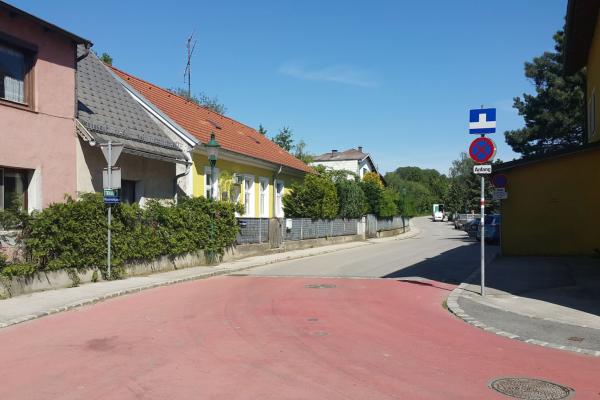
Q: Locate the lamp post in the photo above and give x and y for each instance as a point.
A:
(213, 152)
(212, 148)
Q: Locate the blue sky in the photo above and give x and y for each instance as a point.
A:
(396, 77)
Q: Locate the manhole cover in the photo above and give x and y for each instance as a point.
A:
(320, 286)
(320, 333)
(530, 389)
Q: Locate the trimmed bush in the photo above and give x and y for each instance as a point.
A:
(352, 199)
(315, 197)
(73, 234)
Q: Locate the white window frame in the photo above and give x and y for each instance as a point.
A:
(278, 198)
(591, 117)
(263, 197)
(215, 183)
(249, 208)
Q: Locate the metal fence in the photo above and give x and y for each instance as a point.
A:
(253, 230)
(306, 228)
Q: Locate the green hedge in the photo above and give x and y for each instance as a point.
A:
(72, 235)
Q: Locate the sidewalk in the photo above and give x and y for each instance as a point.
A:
(549, 301)
(35, 305)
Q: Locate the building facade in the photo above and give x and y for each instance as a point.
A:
(37, 110)
(250, 169)
(552, 199)
(353, 160)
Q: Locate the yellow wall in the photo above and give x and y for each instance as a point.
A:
(593, 80)
(553, 207)
(201, 161)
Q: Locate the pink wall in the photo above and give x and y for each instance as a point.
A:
(43, 139)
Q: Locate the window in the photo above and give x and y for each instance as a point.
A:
(128, 191)
(249, 196)
(16, 75)
(264, 197)
(279, 188)
(13, 189)
(591, 111)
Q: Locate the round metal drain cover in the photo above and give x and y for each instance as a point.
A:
(320, 286)
(530, 389)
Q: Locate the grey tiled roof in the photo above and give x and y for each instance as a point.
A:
(350, 154)
(110, 113)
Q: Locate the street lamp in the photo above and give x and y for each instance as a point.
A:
(213, 152)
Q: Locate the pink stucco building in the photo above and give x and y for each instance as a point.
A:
(37, 110)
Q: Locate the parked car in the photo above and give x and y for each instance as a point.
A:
(462, 219)
(492, 228)
(471, 227)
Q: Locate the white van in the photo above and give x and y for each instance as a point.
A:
(438, 212)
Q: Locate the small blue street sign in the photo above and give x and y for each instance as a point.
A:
(112, 199)
(482, 121)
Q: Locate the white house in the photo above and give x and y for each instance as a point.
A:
(353, 160)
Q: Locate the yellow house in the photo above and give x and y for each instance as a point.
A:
(250, 168)
(552, 204)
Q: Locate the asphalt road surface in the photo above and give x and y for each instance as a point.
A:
(277, 337)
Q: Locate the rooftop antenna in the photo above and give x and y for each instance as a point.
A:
(187, 75)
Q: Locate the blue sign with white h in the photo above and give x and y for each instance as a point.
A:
(482, 121)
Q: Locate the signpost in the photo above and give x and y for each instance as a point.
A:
(111, 152)
(482, 122)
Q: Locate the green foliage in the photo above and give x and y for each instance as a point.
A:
(262, 130)
(374, 178)
(13, 219)
(373, 193)
(202, 99)
(301, 153)
(418, 188)
(387, 204)
(352, 199)
(464, 190)
(17, 270)
(72, 235)
(554, 115)
(284, 139)
(315, 197)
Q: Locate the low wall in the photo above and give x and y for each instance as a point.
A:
(61, 278)
(392, 232)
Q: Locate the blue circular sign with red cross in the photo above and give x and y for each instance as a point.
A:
(482, 150)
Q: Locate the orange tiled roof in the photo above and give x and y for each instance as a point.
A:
(200, 122)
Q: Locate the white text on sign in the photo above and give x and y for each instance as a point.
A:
(482, 169)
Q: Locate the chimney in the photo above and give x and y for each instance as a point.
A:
(360, 148)
(333, 152)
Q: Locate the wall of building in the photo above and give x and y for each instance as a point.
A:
(552, 207)
(154, 178)
(43, 140)
(199, 179)
(593, 81)
(348, 165)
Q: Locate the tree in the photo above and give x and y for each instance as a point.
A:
(418, 189)
(301, 153)
(262, 130)
(374, 178)
(315, 197)
(106, 58)
(284, 139)
(464, 191)
(202, 99)
(352, 199)
(555, 115)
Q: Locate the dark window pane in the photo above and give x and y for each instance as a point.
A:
(12, 74)
(15, 188)
(128, 191)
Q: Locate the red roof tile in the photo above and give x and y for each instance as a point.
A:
(200, 122)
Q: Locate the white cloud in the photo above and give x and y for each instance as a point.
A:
(344, 74)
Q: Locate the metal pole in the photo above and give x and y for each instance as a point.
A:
(482, 236)
(109, 172)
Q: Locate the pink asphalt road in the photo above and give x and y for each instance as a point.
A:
(274, 338)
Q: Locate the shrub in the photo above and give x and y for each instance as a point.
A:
(315, 197)
(387, 204)
(72, 235)
(352, 199)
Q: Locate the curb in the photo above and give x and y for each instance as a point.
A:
(454, 308)
(205, 275)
